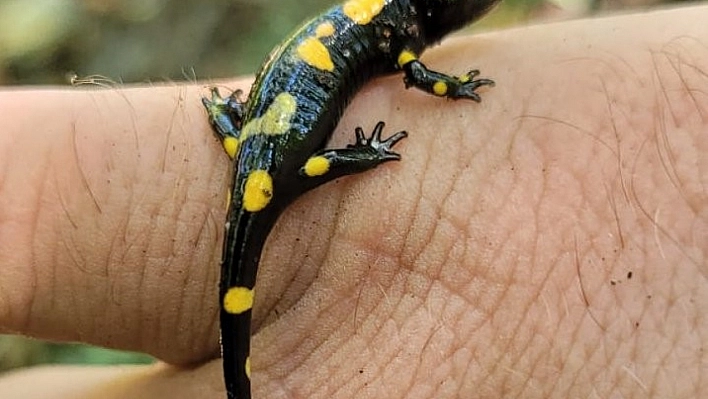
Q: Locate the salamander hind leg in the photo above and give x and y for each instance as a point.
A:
(365, 154)
(439, 84)
(226, 116)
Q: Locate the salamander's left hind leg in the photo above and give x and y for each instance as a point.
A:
(226, 117)
(367, 153)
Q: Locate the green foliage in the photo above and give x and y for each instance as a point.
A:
(51, 41)
(18, 352)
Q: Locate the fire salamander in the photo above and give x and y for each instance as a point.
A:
(277, 137)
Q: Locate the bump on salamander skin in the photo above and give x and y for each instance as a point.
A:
(277, 137)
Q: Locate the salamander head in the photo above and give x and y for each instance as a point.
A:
(441, 17)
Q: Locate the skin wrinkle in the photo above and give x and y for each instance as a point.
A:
(326, 349)
(32, 262)
(377, 330)
(177, 216)
(461, 350)
(161, 216)
(570, 354)
(620, 164)
(127, 250)
(447, 324)
(527, 317)
(61, 230)
(313, 345)
(189, 278)
(314, 349)
(381, 280)
(556, 388)
(413, 216)
(82, 173)
(513, 355)
(435, 326)
(377, 326)
(306, 285)
(424, 349)
(270, 308)
(292, 341)
(564, 357)
(206, 296)
(339, 375)
(309, 262)
(177, 108)
(181, 192)
(395, 364)
(5, 306)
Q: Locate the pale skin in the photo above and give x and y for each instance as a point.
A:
(547, 243)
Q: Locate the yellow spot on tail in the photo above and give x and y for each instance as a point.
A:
(317, 166)
(440, 88)
(464, 78)
(405, 57)
(363, 11)
(258, 191)
(238, 300)
(247, 367)
(324, 29)
(314, 53)
(275, 120)
(230, 145)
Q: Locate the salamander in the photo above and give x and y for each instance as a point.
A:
(277, 137)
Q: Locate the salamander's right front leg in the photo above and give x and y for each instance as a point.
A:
(226, 116)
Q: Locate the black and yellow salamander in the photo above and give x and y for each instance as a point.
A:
(277, 137)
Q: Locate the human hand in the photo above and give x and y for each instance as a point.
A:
(548, 242)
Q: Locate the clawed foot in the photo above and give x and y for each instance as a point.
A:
(469, 85)
(225, 113)
(382, 147)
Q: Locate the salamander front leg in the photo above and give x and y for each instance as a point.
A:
(439, 84)
(365, 154)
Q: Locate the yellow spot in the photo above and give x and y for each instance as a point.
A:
(440, 88)
(363, 11)
(276, 119)
(230, 145)
(238, 300)
(324, 29)
(316, 166)
(258, 191)
(228, 199)
(247, 367)
(314, 53)
(405, 57)
(464, 78)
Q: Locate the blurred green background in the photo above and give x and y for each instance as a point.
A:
(131, 41)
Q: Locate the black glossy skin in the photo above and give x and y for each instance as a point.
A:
(358, 51)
